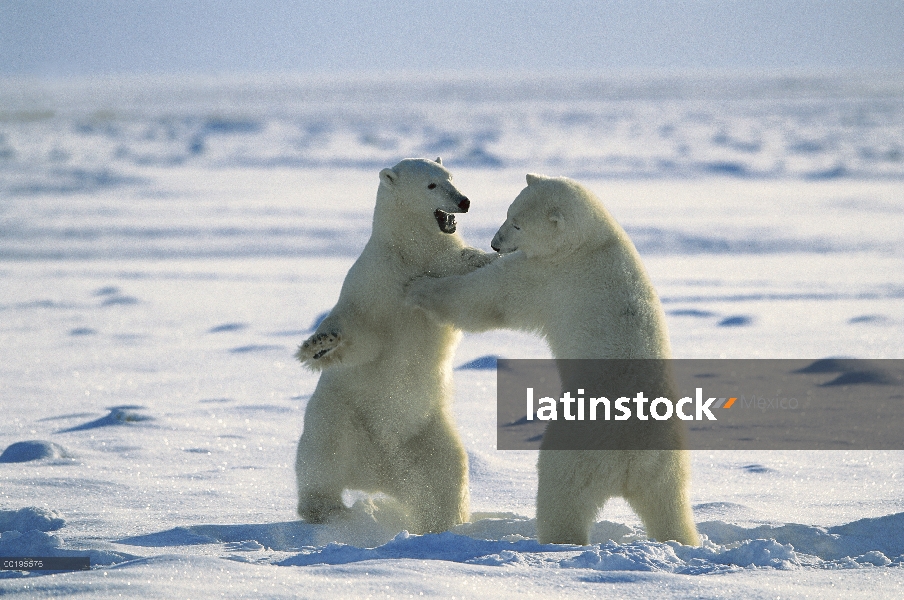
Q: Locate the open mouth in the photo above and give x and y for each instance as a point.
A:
(446, 221)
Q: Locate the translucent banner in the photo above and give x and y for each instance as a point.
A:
(838, 404)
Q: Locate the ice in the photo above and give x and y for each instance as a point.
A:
(32, 450)
(30, 518)
(65, 138)
(165, 245)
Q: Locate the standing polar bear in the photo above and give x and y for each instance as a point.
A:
(570, 273)
(379, 419)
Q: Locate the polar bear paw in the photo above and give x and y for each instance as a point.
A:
(318, 348)
(475, 258)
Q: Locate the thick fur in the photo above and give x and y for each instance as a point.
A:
(379, 419)
(570, 273)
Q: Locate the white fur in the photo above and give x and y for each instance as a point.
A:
(570, 273)
(379, 419)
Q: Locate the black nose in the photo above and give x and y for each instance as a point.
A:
(464, 204)
(493, 246)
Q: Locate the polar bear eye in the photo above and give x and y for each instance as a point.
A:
(431, 186)
(516, 227)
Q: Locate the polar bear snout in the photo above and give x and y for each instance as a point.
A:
(496, 243)
(500, 245)
(453, 201)
(456, 199)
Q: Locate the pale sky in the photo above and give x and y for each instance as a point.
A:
(90, 37)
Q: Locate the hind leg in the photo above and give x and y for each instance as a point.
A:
(431, 478)
(573, 486)
(323, 461)
(320, 483)
(657, 491)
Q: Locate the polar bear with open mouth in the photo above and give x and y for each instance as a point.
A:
(380, 417)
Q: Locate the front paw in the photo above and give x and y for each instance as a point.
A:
(318, 347)
(475, 258)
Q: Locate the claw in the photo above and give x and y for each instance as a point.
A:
(314, 346)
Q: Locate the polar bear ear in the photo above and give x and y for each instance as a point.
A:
(439, 160)
(533, 178)
(388, 176)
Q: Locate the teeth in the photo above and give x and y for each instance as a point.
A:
(446, 221)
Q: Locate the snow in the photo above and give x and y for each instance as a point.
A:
(164, 246)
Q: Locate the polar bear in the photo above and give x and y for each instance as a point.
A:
(569, 272)
(379, 419)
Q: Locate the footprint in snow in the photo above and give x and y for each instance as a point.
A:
(119, 415)
(226, 327)
(691, 312)
(483, 363)
(255, 348)
(736, 321)
(870, 320)
(119, 301)
(82, 331)
(109, 290)
(757, 469)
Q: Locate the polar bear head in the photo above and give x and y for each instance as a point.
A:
(552, 215)
(424, 187)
